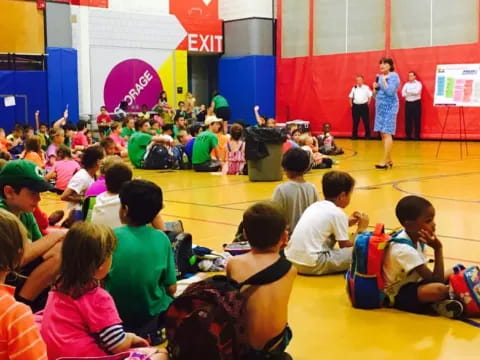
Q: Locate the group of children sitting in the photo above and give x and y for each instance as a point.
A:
(103, 285)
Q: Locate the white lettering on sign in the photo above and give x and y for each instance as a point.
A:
(205, 43)
(137, 89)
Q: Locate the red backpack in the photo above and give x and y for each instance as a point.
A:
(466, 286)
(208, 320)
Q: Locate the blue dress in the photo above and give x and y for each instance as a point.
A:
(386, 105)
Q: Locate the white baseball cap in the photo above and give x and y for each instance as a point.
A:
(212, 119)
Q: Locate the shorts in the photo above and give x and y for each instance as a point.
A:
(274, 348)
(328, 262)
(223, 113)
(407, 299)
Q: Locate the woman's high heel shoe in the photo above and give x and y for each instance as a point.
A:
(386, 166)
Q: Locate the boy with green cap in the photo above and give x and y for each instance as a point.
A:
(21, 183)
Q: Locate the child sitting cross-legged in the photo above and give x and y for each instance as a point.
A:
(19, 336)
(143, 277)
(267, 305)
(312, 245)
(80, 318)
(409, 284)
(296, 195)
(63, 169)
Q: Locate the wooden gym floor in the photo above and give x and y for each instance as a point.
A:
(324, 324)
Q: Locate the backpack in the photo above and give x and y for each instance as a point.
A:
(236, 160)
(208, 320)
(465, 283)
(159, 158)
(365, 282)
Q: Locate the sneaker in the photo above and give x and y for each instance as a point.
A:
(451, 309)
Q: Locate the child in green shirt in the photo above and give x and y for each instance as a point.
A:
(143, 279)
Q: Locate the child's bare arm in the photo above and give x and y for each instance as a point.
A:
(172, 289)
(438, 274)
(131, 340)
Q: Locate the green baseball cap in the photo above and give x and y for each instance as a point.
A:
(24, 173)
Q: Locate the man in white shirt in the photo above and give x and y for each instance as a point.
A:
(360, 98)
(312, 245)
(412, 92)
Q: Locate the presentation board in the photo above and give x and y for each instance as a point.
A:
(457, 85)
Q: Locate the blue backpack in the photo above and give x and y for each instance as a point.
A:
(365, 282)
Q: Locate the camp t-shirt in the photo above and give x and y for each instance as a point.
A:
(143, 268)
(127, 132)
(220, 102)
(137, 147)
(203, 146)
(28, 220)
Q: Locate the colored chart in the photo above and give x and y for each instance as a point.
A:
(457, 85)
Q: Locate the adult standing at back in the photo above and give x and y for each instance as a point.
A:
(360, 98)
(412, 92)
(386, 108)
(220, 107)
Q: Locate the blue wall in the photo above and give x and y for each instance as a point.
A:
(62, 83)
(33, 85)
(247, 81)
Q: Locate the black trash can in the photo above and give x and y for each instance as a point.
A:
(263, 152)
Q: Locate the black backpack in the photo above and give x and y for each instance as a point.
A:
(208, 320)
(159, 158)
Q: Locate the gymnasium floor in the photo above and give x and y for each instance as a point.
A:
(324, 324)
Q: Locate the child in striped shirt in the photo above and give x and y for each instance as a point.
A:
(19, 336)
(80, 318)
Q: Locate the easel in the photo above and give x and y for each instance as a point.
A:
(461, 116)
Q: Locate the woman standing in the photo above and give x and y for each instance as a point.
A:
(412, 92)
(386, 108)
(220, 107)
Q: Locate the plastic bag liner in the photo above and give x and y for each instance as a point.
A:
(256, 139)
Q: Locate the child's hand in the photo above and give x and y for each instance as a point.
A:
(354, 218)
(363, 222)
(430, 239)
(256, 108)
(137, 341)
(37, 113)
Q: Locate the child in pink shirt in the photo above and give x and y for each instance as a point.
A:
(120, 143)
(80, 140)
(80, 318)
(63, 169)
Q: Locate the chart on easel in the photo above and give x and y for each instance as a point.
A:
(457, 85)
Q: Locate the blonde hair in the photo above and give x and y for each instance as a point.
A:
(14, 236)
(302, 140)
(85, 248)
(108, 162)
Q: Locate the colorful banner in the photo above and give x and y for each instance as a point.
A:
(201, 21)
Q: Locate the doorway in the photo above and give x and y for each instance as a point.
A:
(202, 76)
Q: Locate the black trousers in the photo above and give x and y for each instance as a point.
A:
(361, 111)
(209, 166)
(413, 114)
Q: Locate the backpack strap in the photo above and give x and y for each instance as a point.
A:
(406, 242)
(270, 274)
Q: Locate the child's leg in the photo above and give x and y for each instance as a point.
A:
(432, 293)
(44, 274)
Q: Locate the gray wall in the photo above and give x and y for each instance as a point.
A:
(59, 26)
(248, 37)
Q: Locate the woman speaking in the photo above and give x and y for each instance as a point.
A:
(386, 108)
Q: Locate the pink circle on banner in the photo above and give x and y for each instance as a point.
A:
(134, 81)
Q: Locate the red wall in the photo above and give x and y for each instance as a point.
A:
(316, 88)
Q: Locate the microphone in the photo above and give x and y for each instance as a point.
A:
(377, 81)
